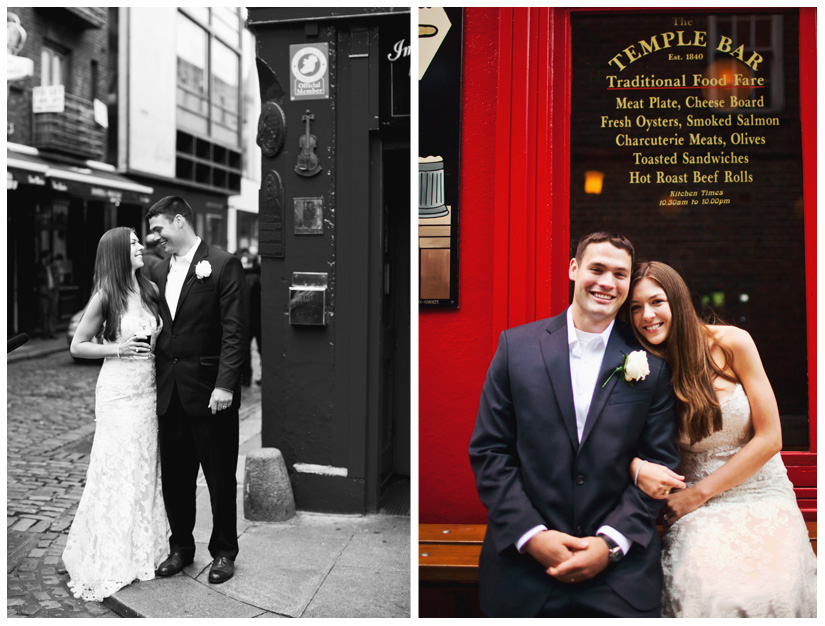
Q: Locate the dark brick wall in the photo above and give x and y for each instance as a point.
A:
(85, 45)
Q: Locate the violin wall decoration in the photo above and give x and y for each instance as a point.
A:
(308, 164)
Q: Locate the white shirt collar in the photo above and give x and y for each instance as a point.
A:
(572, 336)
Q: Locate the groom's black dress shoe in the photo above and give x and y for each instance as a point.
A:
(223, 568)
(175, 563)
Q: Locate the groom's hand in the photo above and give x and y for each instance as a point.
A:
(551, 548)
(584, 564)
(221, 399)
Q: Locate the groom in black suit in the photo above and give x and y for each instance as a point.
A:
(199, 356)
(568, 533)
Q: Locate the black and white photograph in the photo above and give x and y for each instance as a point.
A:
(208, 283)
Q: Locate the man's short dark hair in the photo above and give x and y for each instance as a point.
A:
(170, 206)
(617, 240)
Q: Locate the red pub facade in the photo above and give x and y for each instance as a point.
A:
(532, 131)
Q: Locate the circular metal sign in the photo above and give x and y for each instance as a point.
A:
(309, 64)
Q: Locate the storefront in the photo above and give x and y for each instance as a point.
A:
(693, 132)
(57, 211)
(334, 245)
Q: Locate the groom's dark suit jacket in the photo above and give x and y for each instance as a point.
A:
(531, 469)
(204, 346)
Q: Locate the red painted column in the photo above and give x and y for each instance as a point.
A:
(513, 240)
(802, 465)
(531, 248)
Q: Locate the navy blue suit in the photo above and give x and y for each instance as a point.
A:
(531, 469)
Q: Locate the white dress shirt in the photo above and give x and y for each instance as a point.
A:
(178, 267)
(586, 353)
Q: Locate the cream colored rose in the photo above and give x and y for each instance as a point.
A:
(203, 270)
(636, 367)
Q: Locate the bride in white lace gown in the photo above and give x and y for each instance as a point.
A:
(120, 531)
(736, 544)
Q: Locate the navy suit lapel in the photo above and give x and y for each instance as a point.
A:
(556, 354)
(614, 355)
(201, 253)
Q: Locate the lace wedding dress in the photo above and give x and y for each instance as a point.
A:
(120, 531)
(745, 552)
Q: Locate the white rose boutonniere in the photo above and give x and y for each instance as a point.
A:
(203, 270)
(634, 367)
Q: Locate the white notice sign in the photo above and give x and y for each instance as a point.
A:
(48, 99)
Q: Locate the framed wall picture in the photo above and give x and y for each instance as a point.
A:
(439, 139)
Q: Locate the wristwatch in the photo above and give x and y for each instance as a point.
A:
(614, 552)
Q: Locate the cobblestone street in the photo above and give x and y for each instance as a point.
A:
(50, 428)
(50, 425)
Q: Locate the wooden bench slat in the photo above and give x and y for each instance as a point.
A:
(451, 533)
(448, 562)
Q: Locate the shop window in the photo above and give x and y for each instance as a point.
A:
(214, 229)
(761, 34)
(698, 148)
(247, 229)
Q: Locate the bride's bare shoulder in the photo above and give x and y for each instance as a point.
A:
(731, 337)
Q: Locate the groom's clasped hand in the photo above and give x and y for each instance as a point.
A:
(568, 559)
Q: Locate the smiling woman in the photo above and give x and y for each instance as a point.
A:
(650, 310)
(735, 481)
(119, 531)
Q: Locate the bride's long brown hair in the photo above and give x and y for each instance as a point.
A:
(113, 280)
(687, 350)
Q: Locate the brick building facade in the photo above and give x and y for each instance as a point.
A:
(62, 194)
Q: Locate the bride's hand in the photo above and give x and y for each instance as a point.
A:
(682, 502)
(135, 346)
(656, 480)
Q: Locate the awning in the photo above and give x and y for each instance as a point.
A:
(84, 181)
(97, 184)
(26, 169)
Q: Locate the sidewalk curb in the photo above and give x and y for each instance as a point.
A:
(34, 354)
(119, 608)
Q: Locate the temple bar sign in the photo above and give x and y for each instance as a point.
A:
(309, 71)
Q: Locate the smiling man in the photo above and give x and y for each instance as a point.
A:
(199, 355)
(569, 534)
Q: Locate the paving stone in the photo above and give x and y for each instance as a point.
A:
(29, 610)
(24, 524)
